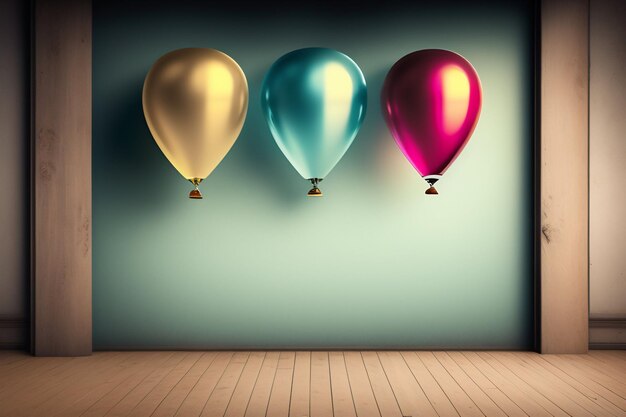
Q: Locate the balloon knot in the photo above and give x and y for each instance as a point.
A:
(431, 191)
(431, 180)
(315, 191)
(195, 194)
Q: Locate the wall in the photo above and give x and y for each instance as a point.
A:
(375, 262)
(607, 227)
(14, 177)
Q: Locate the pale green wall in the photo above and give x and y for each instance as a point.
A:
(374, 263)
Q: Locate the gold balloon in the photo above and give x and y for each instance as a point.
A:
(195, 102)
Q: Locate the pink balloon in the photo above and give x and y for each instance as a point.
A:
(432, 100)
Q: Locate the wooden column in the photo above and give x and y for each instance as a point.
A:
(564, 175)
(61, 178)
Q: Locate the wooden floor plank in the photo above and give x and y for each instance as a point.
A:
(597, 374)
(15, 367)
(620, 354)
(512, 391)
(408, 392)
(31, 374)
(223, 392)
(241, 396)
(35, 381)
(133, 397)
(433, 391)
(301, 385)
(364, 400)
(153, 399)
(586, 379)
(11, 359)
(497, 396)
(461, 401)
(170, 404)
(611, 358)
(616, 369)
(314, 384)
(260, 397)
(80, 368)
(280, 396)
(571, 386)
(9, 356)
(78, 400)
(473, 391)
(385, 398)
(595, 392)
(541, 382)
(573, 389)
(100, 407)
(343, 403)
(528, 390)
(66, 392)
(193, 404)
(321, 395)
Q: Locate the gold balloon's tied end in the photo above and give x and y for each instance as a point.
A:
(195, 194)
(315, 191)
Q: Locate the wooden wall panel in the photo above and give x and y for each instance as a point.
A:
(564, 175)
(61, 259)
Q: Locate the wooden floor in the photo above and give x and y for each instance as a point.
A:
(317, 384)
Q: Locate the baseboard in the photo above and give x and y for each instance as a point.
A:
(607, 333)
(607, 346)
(13, 333)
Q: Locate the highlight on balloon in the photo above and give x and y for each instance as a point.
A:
(314, 101)
(195, 102)
(431, 101)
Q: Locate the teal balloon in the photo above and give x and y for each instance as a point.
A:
(314, 101)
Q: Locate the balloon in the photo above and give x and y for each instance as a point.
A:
(314, 100)
(431, 101)
(195, 102)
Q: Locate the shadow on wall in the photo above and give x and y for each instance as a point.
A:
(374, 134)
(132, 152)
(269, 168)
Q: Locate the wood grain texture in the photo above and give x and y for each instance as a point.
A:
(408, 391)
(362, 393)
(437, 397)
(280, 396)
(301, 385)
(259, 399)
(321, 392)
(343, 404)
(564, 175)
(61, 259)
(313, 384)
